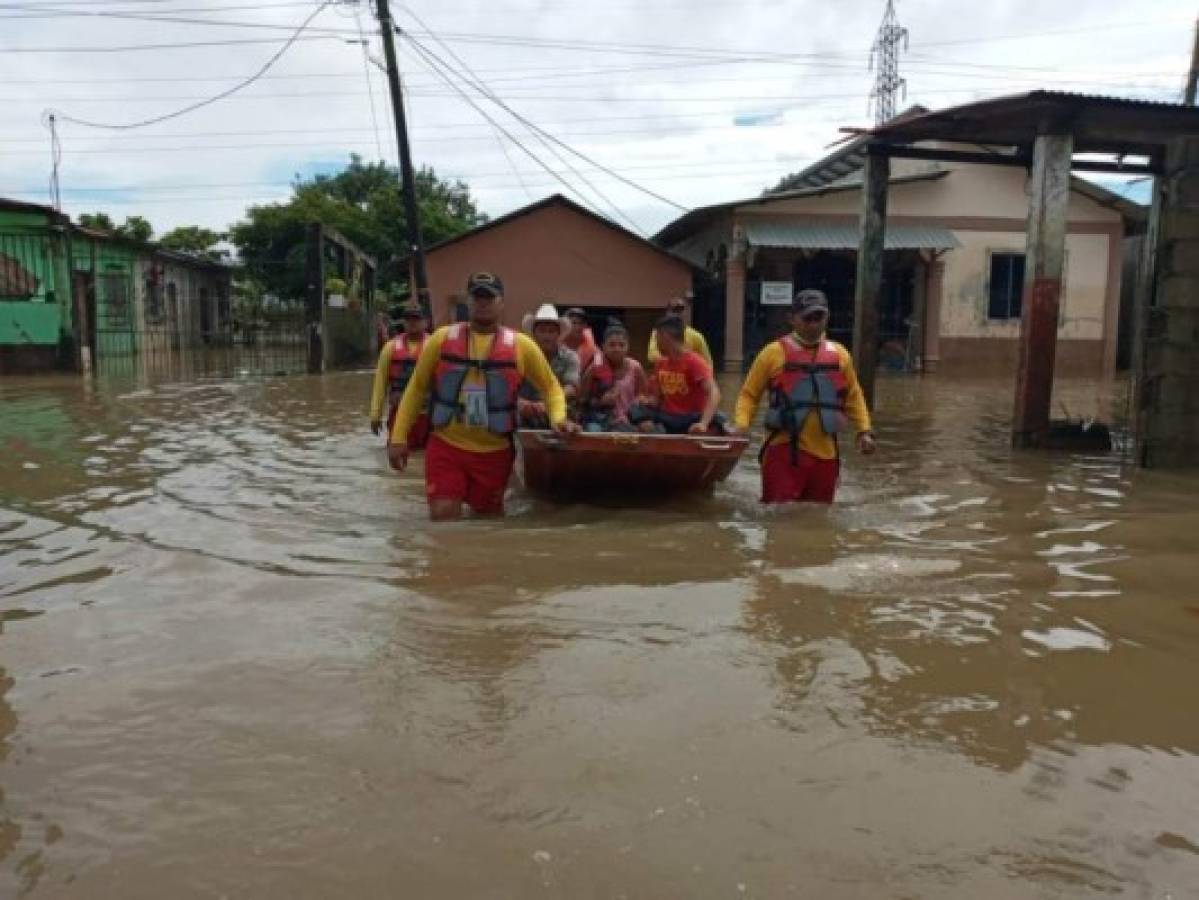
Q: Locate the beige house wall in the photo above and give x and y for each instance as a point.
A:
(966, 287)
(986, 207)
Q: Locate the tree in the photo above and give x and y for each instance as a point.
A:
(194, 240)
(364, 202)
(136, 229)
(98, 221)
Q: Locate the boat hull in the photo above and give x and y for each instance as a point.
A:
(625, 463)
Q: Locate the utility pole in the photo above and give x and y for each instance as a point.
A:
(884, 59)
(1193, 75)
(415, 242)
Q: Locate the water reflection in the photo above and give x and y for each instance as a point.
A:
(222, 607)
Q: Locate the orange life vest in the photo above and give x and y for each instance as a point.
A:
(811, 380)
(404, 354)
(500, 375)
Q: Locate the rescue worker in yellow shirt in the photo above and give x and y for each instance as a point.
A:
(397, 360)
(692, 339)
(814, 396)
(470, 374)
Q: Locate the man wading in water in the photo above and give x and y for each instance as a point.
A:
(397, 359)
(814, 395)
(471, 372)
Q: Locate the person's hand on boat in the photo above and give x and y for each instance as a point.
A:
(866, 444)
(376, 426)
(397, 455)
(566, 426)
(699, 428)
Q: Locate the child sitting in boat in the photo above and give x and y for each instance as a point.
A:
(612, 384)
(683, 394)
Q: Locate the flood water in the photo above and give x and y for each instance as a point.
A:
(235, 662)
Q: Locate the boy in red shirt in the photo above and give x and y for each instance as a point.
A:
(683, 394)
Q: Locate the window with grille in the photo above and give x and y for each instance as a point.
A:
(1006, 286)
(114, 287)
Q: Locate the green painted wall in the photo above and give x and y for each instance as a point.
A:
(30, 244)
(116, 308)
(22, 322)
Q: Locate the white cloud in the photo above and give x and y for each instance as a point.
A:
(665, 118)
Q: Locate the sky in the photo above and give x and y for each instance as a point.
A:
(692, 101)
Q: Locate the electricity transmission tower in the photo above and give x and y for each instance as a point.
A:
(884, 61)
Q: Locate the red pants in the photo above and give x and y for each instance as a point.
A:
(809, 479)
(418, 434)
(479, 479)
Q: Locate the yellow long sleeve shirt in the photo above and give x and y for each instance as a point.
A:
(380, 390)
(812, 438)
(692, 339)
(530, 363)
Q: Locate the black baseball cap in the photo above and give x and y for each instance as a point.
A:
(809, 300)
(410, 310)
(575, 313)
(485, 283)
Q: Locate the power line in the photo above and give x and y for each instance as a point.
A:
(133, 48)
(370, 85)
(792, 98)
(211, 100)
(479, 86)
(63, 10)
(722, 165)
(568, 148)
(182, 20)
(507, 75)
(533, 156)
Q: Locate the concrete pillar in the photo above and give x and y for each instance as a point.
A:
(869, 282)
(1044, 262)
(734, 313)
(1167, 358)
(932, 315)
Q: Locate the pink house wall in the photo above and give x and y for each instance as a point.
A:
(559, 255)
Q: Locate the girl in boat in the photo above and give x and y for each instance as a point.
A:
(612, 384)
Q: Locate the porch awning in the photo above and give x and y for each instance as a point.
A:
(844, 236)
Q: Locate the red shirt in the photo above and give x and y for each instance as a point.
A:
(585, 346)
(680, 383)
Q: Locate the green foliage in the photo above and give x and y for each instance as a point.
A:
(194, 240)
(136, 229)
(98, 221)
(363, 202)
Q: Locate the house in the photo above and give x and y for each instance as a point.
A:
(146, 305)
(954, 263)
(557, 251)
(35, 288)
(73, 297)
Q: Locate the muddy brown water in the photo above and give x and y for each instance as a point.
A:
(235, 662)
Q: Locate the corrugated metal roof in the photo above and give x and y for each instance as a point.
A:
(845, 236)
(1099, 124)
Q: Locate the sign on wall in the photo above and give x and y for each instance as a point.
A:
(776, 293)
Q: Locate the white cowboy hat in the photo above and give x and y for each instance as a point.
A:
(547, 312)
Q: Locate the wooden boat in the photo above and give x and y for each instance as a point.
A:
(624, 463)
